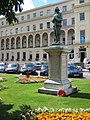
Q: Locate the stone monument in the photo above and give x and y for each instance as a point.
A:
(57, 82)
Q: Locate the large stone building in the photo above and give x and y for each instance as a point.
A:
(26, 41)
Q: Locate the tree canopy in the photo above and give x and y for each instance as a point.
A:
(8, 9)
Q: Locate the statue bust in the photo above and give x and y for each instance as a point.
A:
(57, 20)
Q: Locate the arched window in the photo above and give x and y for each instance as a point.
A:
(30, 41)
(24, 42)
(45, 40)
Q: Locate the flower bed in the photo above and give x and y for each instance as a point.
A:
(63, 114)
(58, 114)
(31, 79)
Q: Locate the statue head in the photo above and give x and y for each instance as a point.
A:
(57, 10)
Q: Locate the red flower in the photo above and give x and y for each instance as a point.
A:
(61, 93)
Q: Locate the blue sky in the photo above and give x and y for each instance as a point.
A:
(30, 4)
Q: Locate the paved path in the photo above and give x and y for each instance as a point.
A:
(86, 74)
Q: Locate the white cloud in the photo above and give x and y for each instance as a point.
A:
(28, 4)
(45, 1)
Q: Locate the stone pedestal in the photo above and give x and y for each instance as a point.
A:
(58, 77)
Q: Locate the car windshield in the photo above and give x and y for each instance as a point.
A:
(44, 67)
(12, 65)
(1, 65)
(88, 62)
(37, 67)
(72, 67)
(28, 65)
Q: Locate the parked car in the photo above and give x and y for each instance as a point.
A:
(37, 69)
(28, 67)
(3, 66)
(44, 70)
(88, 65)
(74, 71)
(13, 68)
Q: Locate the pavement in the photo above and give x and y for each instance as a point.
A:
(86, 74)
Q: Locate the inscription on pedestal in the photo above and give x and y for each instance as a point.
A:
(64, 67)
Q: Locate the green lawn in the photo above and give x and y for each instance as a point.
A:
(27, 94)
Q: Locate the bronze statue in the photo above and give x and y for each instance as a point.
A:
(57, 20)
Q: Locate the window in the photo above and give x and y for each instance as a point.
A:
(28, 28)
(16, 30)
(48, 24)
(41, 25)
(81, 1)
(24, 56)
(64, 41)
(82, 35)
(11, 31)
(72, 5)
(30, 57)
(7, 56)
(73, 21)
(22, 29)
(22, 17)
(34, 14)
(71, 55)
(34, 27)
(82, 16)
(2, 22)
(6, 32)
(37, 56)
(6, 22)
(12, 58)
(65, 22)
(28, 17)
(2, 57)
(64, 8)
(41, 13)
(18, 56)
(1, 33)
(48, 11)
(44, 56)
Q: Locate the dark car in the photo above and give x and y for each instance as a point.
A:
(37, 69)
(13, 68)
(28, 67)
(44, 70)
(3, 66)
(74, 71)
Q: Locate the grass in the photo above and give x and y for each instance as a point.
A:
(27, 94)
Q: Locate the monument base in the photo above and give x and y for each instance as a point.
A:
(53, 87)
(58, 83)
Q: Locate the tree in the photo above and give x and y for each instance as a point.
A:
(8, 9)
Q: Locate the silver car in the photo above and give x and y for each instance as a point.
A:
(3, 66)
(88, 65)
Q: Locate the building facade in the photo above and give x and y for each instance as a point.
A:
(26, 40)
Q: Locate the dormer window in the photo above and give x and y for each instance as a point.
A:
(81, 1)
(48, 11)
(41, 13)
(22, 17)
(64, 8)
(34, 14)
(28, 17)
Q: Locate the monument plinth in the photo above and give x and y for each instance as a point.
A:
(58, 77)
